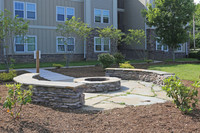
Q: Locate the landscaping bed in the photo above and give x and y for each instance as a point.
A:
(153, 118)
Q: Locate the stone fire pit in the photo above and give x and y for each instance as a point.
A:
(99, 84)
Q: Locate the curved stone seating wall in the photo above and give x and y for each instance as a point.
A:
(156, 77)
(54, 94)
(107, 84)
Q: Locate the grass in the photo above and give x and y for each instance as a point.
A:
(183, 59)
(50, 64)
(183, 71)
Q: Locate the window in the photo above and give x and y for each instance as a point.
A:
(161, 47)
(19, 44)
(101, 44)
(31, 11)
(25, 44)
(105, 16)
(64, 44)
(179, 49)
(97, 15)
(70, 13)
(60, 12)
(101, 16)
(31, 43)
(19, 9)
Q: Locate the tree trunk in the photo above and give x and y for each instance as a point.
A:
(67, 60)
(173, 55)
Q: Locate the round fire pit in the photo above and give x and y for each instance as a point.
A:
(99, 84)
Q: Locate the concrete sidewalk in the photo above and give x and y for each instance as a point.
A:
(52, 76)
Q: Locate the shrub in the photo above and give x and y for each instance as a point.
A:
(185, 98)
(198, 55)
(148, 61)
(119, 58)
(16, 99)
(8, 76)
(126, 65)
(106, 60)
(57, 66)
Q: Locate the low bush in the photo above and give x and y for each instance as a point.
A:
(106, 60)
(57, 66)
(194, 54)
(16, 99)
(148, 61)
(185, 98)
(119, 58)
(8, 76)
(126, 65)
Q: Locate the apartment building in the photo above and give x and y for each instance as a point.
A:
(131, 18)
(45, 15)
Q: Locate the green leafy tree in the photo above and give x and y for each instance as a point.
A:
(73, 28)
(115, 35)
(10, 27)
(135, 37)
(170, 17)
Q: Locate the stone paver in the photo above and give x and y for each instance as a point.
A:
(133, 93)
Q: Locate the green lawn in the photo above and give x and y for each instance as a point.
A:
(50, 64)
(183, 71)
(184, 59)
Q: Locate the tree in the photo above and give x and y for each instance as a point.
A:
(135, 37)
(111, 33)
(10, 27)
(170, 17)
(73, 27)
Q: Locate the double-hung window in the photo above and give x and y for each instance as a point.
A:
(60, 13)
(101, 44)
(25, 10)
(30, 10)
(63, 13)
(25, 44)
(161, 47)
(19, 44)
(65, 44)
(70, 13)
(19, 9)
(180, 48)
(101, 16)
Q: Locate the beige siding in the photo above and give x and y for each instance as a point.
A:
(45, 24)
(46, 10)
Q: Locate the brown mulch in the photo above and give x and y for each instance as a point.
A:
(153, 118)
(158, 118)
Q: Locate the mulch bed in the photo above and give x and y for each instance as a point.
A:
(163, 117)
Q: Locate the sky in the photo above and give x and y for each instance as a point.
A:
(196, 1)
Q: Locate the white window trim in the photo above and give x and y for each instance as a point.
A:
(71, 8)
(102, 46)
(162, 47)
(14, 8)
(57, 14)
(65, 13)
(102, 16)
(181, 45)
(25, 44)
(65, 45)
(35, 11)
